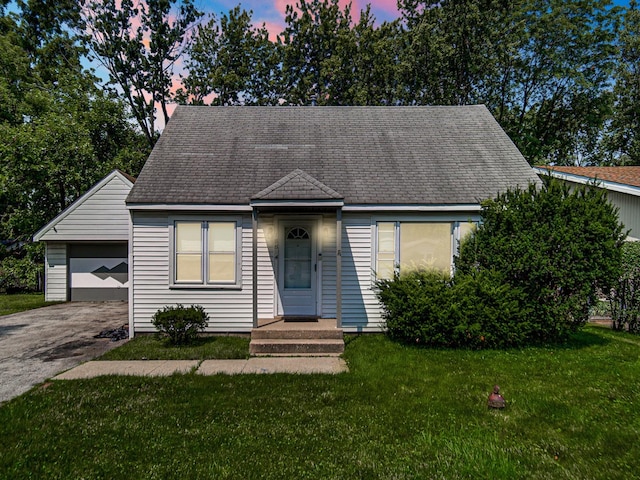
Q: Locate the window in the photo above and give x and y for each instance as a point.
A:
(411, 246)
(205, 253)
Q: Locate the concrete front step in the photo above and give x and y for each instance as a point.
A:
(265, 333)
(280, 346)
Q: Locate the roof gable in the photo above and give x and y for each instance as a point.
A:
(81, 211)
(297, 185)
(368, 155)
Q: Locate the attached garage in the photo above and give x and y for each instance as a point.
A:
(86, 246)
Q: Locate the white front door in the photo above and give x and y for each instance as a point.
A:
(298, 269)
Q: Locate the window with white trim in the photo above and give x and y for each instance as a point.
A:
(411, 246)
(205, 253)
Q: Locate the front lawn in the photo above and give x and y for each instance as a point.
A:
(153, 347)
(401, 412)
(19, 302)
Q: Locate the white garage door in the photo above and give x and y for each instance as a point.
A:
(98, 272)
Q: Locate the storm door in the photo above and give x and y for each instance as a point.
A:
(298, 269)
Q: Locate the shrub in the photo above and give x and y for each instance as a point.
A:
(528, 275)
(474, 310)
(20, 275)
(555, 244)
(624, 298)
(181, 324)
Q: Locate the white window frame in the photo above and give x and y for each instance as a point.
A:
(455, 237)
(204, 260)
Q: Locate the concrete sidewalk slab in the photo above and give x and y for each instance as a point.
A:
(300, 365)
(148, 368)
(254, 365)
(227, 367)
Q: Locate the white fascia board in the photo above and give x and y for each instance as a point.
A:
(472, 207)
(570, 177)
(297, 203)
(79, 201)
(186, 207)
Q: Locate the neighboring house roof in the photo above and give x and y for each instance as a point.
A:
(88, 203)
(619, 179)
(364, 155)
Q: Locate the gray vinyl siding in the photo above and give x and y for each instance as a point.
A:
(360, 307)
(101, 216)
(55, 272)
(629, 211)
(230, 310)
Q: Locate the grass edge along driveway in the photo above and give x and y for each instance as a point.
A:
(401, 412)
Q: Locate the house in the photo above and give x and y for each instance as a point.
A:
(260, 213)
(86, 246)
(622, 185)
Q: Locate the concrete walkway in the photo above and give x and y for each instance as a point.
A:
(160, 368)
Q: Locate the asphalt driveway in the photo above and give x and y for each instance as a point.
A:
(38, 344)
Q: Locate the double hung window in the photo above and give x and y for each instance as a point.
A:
(205, 253)
(411, 246)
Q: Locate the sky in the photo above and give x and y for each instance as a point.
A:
(272, 12)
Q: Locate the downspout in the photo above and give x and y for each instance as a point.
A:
(339, 267)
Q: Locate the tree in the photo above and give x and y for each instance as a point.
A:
(556, 245)
(139, 44)
(59, 134)
(310, 40)
(232, 60)
(624, 138)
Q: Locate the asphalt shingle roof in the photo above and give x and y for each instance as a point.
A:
(622, 175)
(366, 155)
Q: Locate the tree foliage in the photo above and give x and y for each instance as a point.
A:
(623, 145)
(59, 131)
(139, 44)
(559, 246)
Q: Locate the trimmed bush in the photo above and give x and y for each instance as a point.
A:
(181, 324)
(470, 310)
(624, 298)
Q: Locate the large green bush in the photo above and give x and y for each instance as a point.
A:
(20, 275)
(558, 245)
(181, 324)
(624, 297)
(477, 310)
(527, 275)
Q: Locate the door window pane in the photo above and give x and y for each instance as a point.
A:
(297, 259)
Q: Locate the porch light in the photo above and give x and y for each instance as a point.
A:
(495, 399)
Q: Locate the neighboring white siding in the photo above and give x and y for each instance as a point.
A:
(360, 307)
(55, 272)
(100, 216)
(230, 310)
(629, 211)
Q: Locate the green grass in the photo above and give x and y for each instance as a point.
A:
(152, 347)
(401, 412)
(20, 302)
